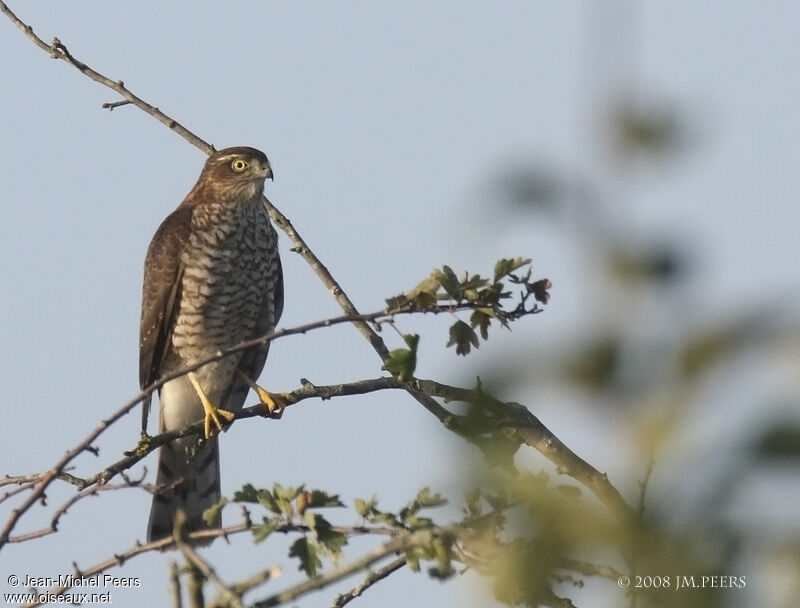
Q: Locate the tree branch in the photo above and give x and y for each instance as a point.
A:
(518, 420)
(58, 51)
(191, 556)
(372, 578)
(514, 418)
(200, 536)
(318, 582)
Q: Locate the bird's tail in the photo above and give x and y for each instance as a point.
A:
(188, 479)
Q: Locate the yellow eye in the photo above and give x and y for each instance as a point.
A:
(239, 165)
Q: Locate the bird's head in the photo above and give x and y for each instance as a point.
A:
(236, 173)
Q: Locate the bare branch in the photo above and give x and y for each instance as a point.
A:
(57, 470)
(248, 584)
(175, 584)
(191, 556)
(110, 105)
(518, 420)
(318, 582)
(372, 578)
(166, 544)
(514, 417)
(58, 51)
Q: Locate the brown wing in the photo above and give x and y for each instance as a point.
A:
(163, 273)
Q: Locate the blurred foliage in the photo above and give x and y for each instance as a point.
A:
(644, 348)
(656, 129)
(780, 443)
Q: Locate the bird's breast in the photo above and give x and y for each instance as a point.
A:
(226, 277)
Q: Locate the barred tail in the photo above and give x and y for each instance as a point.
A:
(185, 481)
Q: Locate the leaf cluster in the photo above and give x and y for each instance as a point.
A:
(504, 298)
(408, 518)
(289, 504)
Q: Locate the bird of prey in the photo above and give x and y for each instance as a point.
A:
(212, 279)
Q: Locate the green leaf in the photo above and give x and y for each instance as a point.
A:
(363, 507)
(247, 494)
(413, 556)
(308, 553)
(266, 500)
(397, 302)
(505, 266)
(213, 515)
(285, 507)
(425, 301)
(321, 499)
(311, 519)
(443, 550)
(427, 500)
(449, 282)
(263, 530)
(384, 517)
(482, 320)
(415, 522)
(403, 361)
(462, 336)
(427, 287)
(286, 493)
(332, 540)
(473, 283)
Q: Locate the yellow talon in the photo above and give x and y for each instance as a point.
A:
(272, 401)
(212, 413)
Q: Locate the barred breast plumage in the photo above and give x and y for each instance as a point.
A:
(213, 279)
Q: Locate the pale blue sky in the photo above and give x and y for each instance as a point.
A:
(386, 124)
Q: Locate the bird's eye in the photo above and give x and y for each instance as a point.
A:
(239, 165)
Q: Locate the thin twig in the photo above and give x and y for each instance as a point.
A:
(191, 556)
(58, 51)
(248, 584)
(596, 481)
(318, 582)
(175, 584)
(202, 536)
(372, 578)
(110, 105)
(518, 420)
(48, 477)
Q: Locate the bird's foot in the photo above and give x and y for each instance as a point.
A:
(211, 422)
(274, 402)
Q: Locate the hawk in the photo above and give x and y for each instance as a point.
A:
(212, 279)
